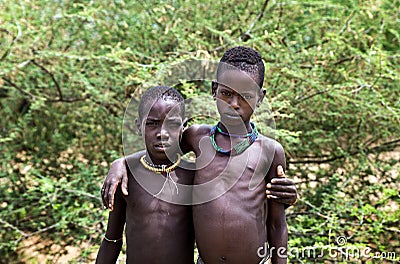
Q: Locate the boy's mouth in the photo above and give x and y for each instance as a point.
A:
(162, 145)
(232, 115)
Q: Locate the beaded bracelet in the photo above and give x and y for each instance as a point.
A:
(295, 201)
(112, 240)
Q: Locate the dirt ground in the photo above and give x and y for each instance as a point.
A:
(30, 252)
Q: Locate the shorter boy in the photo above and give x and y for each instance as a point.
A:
(158, 229)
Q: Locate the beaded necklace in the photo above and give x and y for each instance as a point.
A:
(239, 147)
(159, 169)
(233, 135)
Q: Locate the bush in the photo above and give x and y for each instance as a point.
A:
(68, 70)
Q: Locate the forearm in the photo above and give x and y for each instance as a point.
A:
(112, 241)
(277, 232)
(277, 240)
(108, 252)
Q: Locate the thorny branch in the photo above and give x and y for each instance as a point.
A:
(18, 88)
(384, 146)
(26, 235)
(260, 15)
(47, 99)
(52, 78)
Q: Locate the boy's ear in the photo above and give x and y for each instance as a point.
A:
(214, 86)
(185, 123)
(138, 127)
(261, 97)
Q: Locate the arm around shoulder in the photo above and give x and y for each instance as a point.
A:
(115, 175)
(281, 188)
(191, 137)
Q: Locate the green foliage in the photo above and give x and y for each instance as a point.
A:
(69, 68)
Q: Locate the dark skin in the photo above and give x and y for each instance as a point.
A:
(232, 227)
(159, 228)
(269, 170)
(156, 231)
(280, 189)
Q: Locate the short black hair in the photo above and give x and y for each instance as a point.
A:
(244, 59)
(155, 93)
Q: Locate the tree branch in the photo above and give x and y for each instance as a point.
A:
(245, 36)
(19, 88)
(344, 60)
(80, 193)
(37, 232)
(7, 50)
(7, 224)
(390, 145)
(68, 100)
(318, 211)
(280, 17)
(347, 23)
(310, 96)
(47, 99)
(52, 77)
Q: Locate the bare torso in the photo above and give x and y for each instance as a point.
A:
(157, 230)
(230, 217)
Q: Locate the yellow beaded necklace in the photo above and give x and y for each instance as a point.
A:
(160, 168)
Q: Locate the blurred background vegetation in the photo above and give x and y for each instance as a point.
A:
(69, 68)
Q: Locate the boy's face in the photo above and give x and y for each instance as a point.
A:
(237, 96)
(162, 129)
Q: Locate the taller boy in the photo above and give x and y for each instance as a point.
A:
(234, 163)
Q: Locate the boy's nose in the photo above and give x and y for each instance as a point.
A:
(163, 134)
(234, 102)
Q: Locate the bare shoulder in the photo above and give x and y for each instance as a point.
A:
(273, 148)
(191, 135)
(133, 158)
(198, 130)
(270, 143)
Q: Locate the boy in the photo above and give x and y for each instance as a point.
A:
(229, 212)
(239, 162)
(156, 231)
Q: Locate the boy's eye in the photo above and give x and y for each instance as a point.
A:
(152, 123)
(226, 93)
(173, 124)
(247, 97)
